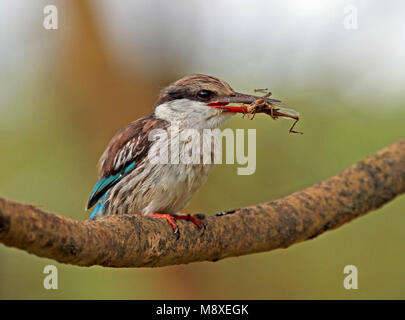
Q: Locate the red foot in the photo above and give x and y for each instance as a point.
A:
(167, 217)
(190, 218)
(171, 218)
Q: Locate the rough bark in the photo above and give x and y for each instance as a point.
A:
(135, 241)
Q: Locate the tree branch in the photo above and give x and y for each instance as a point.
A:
(136, 241)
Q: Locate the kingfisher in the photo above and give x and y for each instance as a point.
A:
(130, 183)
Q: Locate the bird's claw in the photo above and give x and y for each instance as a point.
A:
(177, 233)
(192, 219)
(203, 227)
(171, 218)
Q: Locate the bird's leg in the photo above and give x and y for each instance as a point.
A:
(169, 218)
(189, 217)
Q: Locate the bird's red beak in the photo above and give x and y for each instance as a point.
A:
(239, 98)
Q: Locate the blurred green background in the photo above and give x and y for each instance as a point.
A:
(65, 92)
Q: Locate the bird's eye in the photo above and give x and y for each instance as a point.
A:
(204, 94)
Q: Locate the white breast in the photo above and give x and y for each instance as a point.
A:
(168, 188)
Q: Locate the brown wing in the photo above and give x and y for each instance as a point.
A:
(126, 149)
(129, 144)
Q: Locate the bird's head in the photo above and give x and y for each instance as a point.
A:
(201, 101)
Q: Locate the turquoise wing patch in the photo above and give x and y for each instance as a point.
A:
(104, 184)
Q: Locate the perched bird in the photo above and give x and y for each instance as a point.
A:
(130, 183)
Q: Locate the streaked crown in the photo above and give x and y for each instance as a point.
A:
(197, 87)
